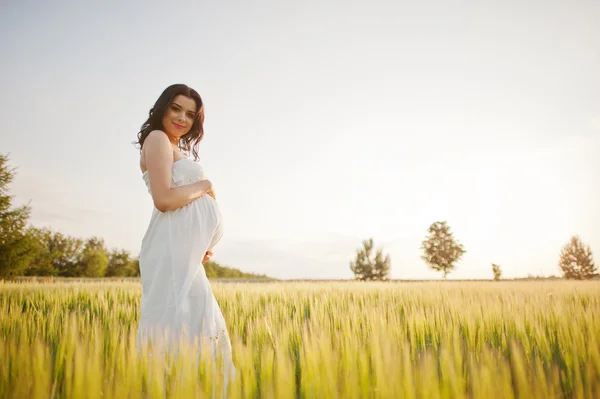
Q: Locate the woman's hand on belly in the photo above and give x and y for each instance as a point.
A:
(211, 192)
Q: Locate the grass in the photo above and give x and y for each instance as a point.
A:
(314, 340)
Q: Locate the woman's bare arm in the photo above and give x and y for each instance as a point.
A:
(159, 160)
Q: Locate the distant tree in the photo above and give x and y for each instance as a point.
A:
(368, 266)
(381, 267)
(65, 253)
(15, 246)
(56, 254)
(119, 261)
(41, 263)
(497, 272)
(215, 270)
(440, 250)
(210, 269)
(576, 260)
(95, 243)
(94, 258)
(133, 269)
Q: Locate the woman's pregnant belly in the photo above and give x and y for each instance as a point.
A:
(195, 225)
(208, 207)
(206, 212)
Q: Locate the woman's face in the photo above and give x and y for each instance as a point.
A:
(179, 116)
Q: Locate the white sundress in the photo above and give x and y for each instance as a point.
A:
(177, 299)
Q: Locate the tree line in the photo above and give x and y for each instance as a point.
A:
(442, 251)
(31, 251)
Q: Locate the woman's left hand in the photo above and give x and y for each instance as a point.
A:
(207, 257)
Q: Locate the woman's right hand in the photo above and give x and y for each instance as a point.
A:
(211, 192)
(206, 185)
(157, 154)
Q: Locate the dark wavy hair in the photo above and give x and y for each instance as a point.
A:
(189, 141)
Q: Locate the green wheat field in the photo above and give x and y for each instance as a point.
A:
(531, 339)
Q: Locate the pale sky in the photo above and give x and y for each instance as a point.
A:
(327, 123)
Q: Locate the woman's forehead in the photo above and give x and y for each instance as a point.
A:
(185, 102)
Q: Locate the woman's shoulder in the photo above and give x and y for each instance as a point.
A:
(156, 140)
(158, 133)
(157, 137)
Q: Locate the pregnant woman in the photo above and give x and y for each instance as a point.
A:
(178, 304)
